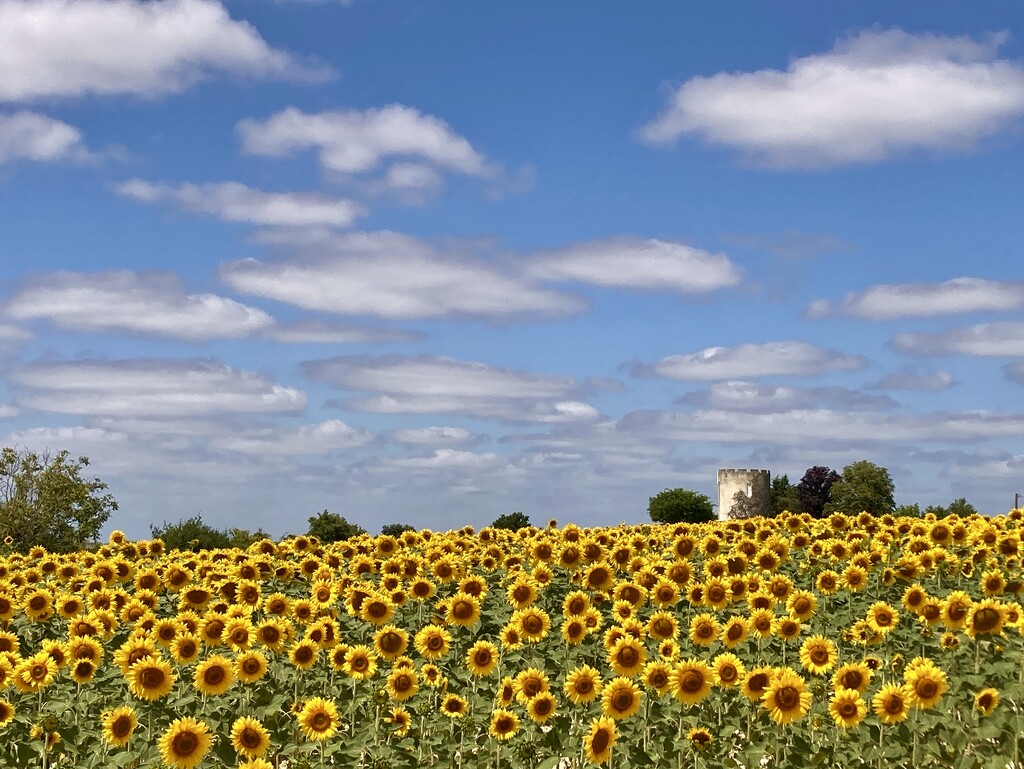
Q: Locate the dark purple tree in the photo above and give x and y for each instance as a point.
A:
(814, 488)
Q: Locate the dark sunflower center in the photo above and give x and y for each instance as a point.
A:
(213, 675)
(250, 738)
(122, 727)
(533, 624)
(691, 681)
(152, 678)
(602, 737)
(894, 704)
(185, 744)
(320, 721)
(628, 657)
(986, 620)
(787, 698)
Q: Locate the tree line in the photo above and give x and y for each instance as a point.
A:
(49, 500)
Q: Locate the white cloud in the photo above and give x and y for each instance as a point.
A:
(787, 358)
(1004, 339)
(430, 384)
(920, 300)
(320, 332)
(234, 202)
(635, 263)
(159, 388)
(450, 459)
(30, 136)
(312, 439)
(13, 334)
(801, 425)
(907, 378)
(54, 48)
(353, 141)
(7, 411)
(872, 96)
(122, 300)
(433, 436)
(1015, 372)
(765, 398)
(395, 276)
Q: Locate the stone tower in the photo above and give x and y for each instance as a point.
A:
(754, 484)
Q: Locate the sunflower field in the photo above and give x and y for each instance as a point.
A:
(851, 641)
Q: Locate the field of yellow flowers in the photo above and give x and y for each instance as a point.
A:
(850, 641)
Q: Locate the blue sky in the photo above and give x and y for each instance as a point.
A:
(434, 262)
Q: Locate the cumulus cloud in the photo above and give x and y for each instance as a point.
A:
(765, 398)
(7, 411)
(144, 303)
(234, 202)
(30, 136)
(920, 300)
(786, 358)
(908, 378)
(841, 427)
(150, 387)
(431, 384)
(635, 263)
(54, 48)
(434, 436)
(321, 332)
(354, 141)
(874, 95)
(1003, 339)
(311, 439)
(389, 275)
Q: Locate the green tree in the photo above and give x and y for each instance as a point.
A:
(909, 511)
(331, 527)
(191, 534)
(961, 507)
(863, 486)
(680, 506)
(396, 529)
(783, 496)
(511, 521)
(44, 500)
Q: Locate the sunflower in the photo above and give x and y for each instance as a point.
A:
(454, 706)
(249, 737)
(400, 719)
(239, 634)
(955, 608)
(853, 675)
(541, 707)
(433, 642)
(464, 610)
(802, 604)
(691, 681)
(717, 593)
(482, 658)
(522, 592)
(402, 684)
(506, 692)
(83, 671)
(185, 743)
(214, 675)
(658, 677)
(735, 632)
(985, 618)
(575, 604)
(986, 701)
(704, 629)
(574, 630)
(620, 698)
(529, 683)
(303, 655)
(762, 622)
(827, 582)
(847, 708)
(118, 726)
(926, 683)
(250, 666)
(662, 626)
(390, 642)
(882, 618)
(377, 609)
(892, 702)
(186, 648)
(914, 598)
(7, 712)
(729, 670)
(319, 719)
(599, 741)
(818, 655)
(993, 583)
(627, 656)
(665, 593)
(786, 698)
(699, 738)
(151, 678)
(504, 724)
(788, 628)
(38, 605)
(583, 684)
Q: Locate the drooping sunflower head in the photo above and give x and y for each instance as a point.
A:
(699, 738)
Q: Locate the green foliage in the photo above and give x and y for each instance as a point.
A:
(910, 511)
(195, 534)
(862, 486)
(511, 521)
(959, 506)
(331, 527)
(783, 496)
(680, 506)
(44, 500)
(396, 529)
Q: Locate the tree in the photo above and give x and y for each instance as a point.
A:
(743, 506)
(331, 527)
(909, 511)
(863, 486)
(44, 500)
(195, 534)
(396, 529)
(680, 506)
(814, 489)
(511, 521)
(961, 507)
(783, 496)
